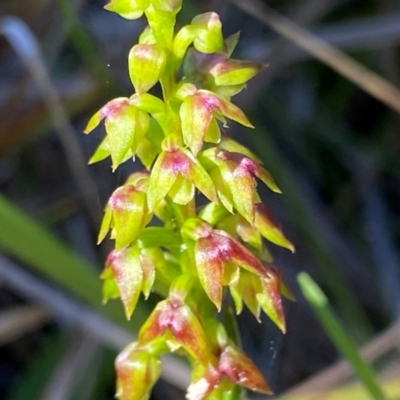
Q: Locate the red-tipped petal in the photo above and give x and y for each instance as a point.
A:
(241, 370)
(207, 29)
(130, 214)
(242, 187)
(146, 64)
(264, 222)
(137, 371)
(173, 315)
(237, 253)
(113, 106)
(226, 108)
(271, 301)
(128, 274)
(234, 72)
(120, 127)
(196, 115)
(210, 263)
(163, 176)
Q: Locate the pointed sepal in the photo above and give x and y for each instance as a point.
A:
(241, 370)
(127, 270)
(176, 317)
(266, 225)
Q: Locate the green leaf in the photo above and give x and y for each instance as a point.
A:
(342, 340)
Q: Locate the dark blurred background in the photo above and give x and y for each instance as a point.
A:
(331, 142)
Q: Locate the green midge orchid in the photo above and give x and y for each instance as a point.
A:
(195, 252)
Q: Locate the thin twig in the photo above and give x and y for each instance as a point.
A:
(369, 81)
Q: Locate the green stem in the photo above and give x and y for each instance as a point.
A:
(341, 340)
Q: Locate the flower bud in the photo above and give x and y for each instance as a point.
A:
(197, 112)
(137, 372)
(174, 316)
(176, 172)
(127, 214)
(146, 64)
(208, 33)
(125, 126)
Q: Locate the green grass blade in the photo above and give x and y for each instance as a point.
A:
(29, 242)
(335, 331)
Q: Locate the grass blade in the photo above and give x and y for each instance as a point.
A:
(335, 331)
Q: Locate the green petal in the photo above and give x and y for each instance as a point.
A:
(120, 127)
(196, 115)
(264, 222)
(128, 274)
(200, 178)
(271, 302)
(231, 42)
(149, 258)
(207, 28)
(210, 267)
(110, 288)
(234, 72)
(267, 178)
(94, 121)
(161, 180)
(182, 191)
(101, 153)
(129, 9)
(105, 224)
(182, 41)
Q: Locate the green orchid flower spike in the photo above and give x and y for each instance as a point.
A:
(197, 254)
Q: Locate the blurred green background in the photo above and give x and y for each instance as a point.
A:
(326, 112)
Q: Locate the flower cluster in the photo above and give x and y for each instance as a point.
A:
(193, 252)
